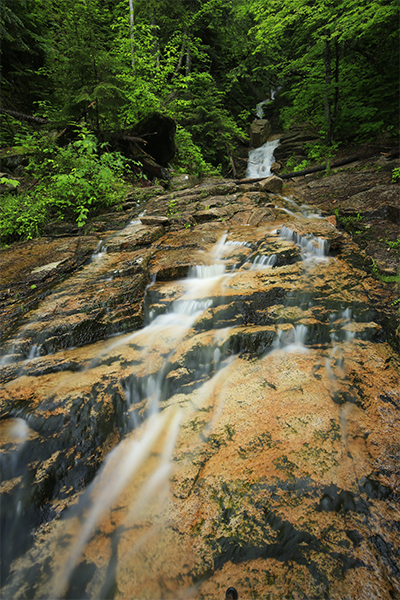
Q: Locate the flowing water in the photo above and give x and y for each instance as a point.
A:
(231, 441)
(260, 160)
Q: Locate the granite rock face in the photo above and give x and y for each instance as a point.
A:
(367, 200)
(198, 406)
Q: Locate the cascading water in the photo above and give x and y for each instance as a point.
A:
(238, 375)
(311, 247)
(260, 110)
(145, 395)
(260, 105)
(260, 160)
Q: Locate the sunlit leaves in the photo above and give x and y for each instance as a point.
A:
(330, 57)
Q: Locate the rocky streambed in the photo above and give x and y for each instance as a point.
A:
(202, 392)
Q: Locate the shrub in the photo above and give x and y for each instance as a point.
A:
(189, 157)
(71, 183)
(396, 175)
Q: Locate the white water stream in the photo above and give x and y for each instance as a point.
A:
(260, 160)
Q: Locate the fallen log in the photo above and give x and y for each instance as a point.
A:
(23, 117)
(121, 136)
(339, 163)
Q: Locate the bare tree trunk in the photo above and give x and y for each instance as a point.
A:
(155, 49)
(181, 55)
(24, 117)
(93, 57)
(132, 27)
(233, 167)
(328, 78)
(188, 58)
(336, 95)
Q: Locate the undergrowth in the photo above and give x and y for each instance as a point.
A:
(396, 175)
(189, 158)
(350, 222)
(66, 183)
(316, 153)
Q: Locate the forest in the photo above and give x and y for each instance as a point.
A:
(81, 78)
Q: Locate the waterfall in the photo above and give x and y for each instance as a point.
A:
(260, 160)
(259, 109)
(311, 247)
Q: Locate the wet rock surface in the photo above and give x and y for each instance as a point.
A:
(368, 201)
(204, 400)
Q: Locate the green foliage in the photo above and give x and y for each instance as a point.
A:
(393, 245)
(336, 62)
(396, 175)
(350, 222)
(301, 166)
(292, 164)
(24, 32)
(71, 183)
(21, 216)
(385, 278)
(320, 152)
(172, 207)
(6, 181)
(198, 107)
(205, 63)
(189, 157)
(317, 152)
(80, 68)
(9, 126)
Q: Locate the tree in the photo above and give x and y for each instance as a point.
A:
(80, 66)
(24, 33)
(318, 50)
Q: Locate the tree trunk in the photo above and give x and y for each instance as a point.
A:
(24, 117)
(92, 51)
(328, 77)
(132, 28)
(188, 59)
(336, 95)
(232, 163)
(181, 54)
(155, 48)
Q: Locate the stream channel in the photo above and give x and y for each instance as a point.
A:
(246, 435)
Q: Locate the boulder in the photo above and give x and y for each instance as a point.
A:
(320, 228)
(209, 214)
(154, 220)
(182, 182)
(272, 184)
(379, 202)
(260, 131)
(331, 219)
(142, 194)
